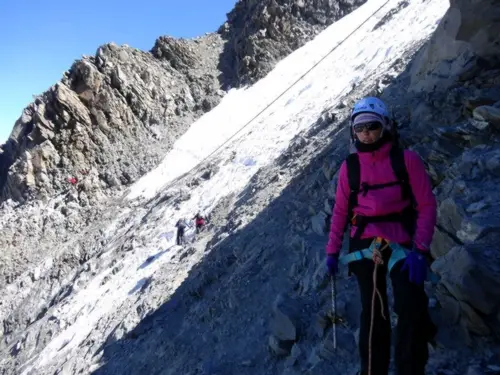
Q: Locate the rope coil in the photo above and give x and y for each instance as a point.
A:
(377, 259)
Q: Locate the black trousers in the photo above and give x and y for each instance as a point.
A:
(180, 236)
(414, 327)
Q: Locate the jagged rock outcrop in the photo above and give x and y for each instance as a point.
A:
(114, 115)
(260, 33)
(467, 260)
(456, 132)
(110, 119)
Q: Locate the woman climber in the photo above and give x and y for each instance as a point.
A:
(385, 194)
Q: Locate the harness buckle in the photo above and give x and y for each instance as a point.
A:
(353, 219)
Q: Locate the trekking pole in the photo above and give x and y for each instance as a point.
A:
(334, 311)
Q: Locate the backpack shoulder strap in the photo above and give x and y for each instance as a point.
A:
(399, 167)
(354, 178)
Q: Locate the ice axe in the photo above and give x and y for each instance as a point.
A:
(334, 311)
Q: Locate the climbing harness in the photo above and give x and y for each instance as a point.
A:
(398, 252)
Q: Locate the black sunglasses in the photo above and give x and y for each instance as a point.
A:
(358, 128)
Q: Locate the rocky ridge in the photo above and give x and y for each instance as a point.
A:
(260, 33)
(95, 124)
(108, 122)
(131, 105)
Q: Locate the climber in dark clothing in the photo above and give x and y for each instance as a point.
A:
(181, 227)
(199, 222)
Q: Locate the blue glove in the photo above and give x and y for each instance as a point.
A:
(332, 263)
(416, 265)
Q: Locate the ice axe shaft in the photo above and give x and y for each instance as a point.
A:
(334, 311)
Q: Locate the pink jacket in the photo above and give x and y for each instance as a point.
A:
(376, 169)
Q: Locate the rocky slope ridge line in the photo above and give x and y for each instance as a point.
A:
(260, 33)
(113, 116)
(110, 119)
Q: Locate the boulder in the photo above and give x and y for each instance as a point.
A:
(442, 242)
(489, 114)
(469, 289)
(284, 324)
(318, 223)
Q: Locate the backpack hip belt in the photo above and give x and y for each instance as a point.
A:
(398, 253)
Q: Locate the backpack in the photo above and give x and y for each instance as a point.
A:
(407, 217)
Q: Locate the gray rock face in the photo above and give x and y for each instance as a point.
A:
(284, 331)
(471, 275)
(462, 151)
(488, 114)
(466, 246)
(260, 33)
(466, 42)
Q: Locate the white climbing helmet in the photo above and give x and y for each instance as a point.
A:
(370, 104)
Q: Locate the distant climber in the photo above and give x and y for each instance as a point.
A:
(385, 194)
(199, 222)
(72, 180)
(181, 227)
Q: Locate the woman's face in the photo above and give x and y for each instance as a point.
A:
(368, 133)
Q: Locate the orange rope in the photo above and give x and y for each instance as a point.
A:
(377, 259)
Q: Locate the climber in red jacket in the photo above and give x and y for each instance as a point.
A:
(386, 196)
(199, 222)
(72, 180)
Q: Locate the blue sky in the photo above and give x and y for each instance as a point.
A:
(39, 40)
